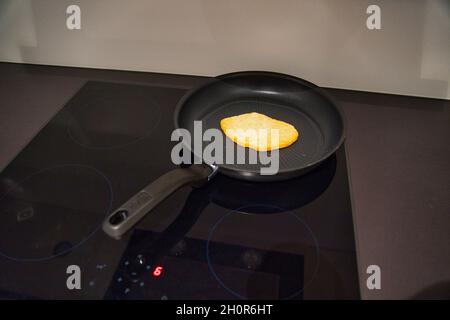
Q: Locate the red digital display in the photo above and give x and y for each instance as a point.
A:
(158, 271)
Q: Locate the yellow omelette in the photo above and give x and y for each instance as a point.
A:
(259, 132)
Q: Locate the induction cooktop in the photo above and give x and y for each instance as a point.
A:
(226, 240)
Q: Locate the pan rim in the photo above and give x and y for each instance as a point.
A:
(307, 83)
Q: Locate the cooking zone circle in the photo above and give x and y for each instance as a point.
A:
(125, 118)
(52, 211)
(279, 255)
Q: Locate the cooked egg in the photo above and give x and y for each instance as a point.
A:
(259, 132)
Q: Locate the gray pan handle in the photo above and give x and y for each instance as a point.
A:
(129, 214)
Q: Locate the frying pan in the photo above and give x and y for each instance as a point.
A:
(304, 105)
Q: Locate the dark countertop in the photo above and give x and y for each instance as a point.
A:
(398, 150)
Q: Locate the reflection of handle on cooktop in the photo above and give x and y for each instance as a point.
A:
(128, 214)
(196, 202)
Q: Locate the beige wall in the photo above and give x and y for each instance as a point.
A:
(325, 41)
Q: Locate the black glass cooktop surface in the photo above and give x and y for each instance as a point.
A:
(226, 240)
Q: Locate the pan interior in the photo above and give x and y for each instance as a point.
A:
(300, 153)
(317, 120)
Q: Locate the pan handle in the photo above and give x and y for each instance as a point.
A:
(129, 214)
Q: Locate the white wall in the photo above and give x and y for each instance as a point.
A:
(324, 41)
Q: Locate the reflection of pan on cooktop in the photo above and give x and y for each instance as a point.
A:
(252, 198)
(271, 197)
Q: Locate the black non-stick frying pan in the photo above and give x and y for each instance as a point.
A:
(298, 102)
